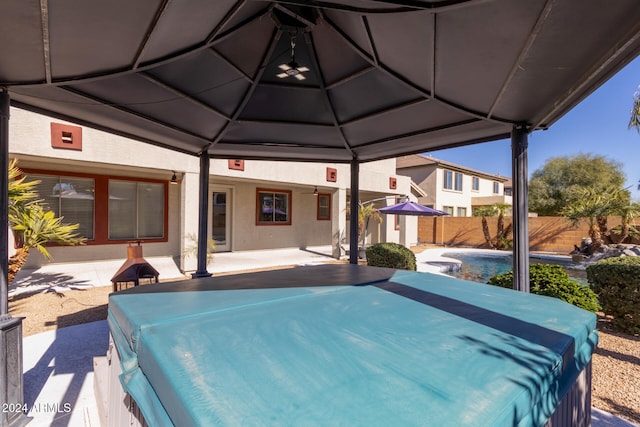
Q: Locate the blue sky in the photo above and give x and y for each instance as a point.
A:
(597, 125)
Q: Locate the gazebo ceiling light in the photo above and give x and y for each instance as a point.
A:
(292, 68)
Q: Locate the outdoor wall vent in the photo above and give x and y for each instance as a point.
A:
(236, 164)
(332, 175)
(66, 136)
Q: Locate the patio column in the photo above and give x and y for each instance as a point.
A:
(203, 217)
(353, 211)
(11, 378)
(519, 145)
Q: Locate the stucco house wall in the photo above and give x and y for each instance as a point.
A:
(30, 141)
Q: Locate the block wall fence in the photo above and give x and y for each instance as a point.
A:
(546, 234)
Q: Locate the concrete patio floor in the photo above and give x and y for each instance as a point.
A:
(59, 365)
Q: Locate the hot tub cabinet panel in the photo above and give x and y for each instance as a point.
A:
(351, 345)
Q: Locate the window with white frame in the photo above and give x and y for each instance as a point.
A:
(458, 182)
(496, 187)
(448, 209)
(461, 212)
(273, 207)
(452, 181)
(448, 180)
(475, 183)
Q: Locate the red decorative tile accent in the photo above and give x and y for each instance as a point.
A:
(393, 183)
(236, 164)
(332, 174)
(66, 136)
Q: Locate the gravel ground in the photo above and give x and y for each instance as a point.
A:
(616, 362)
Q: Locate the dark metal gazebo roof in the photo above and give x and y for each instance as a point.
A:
(384, 79)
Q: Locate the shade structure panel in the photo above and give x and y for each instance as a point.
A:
(419, 115)
(394, 46)
(22, 42)
(81, 46)
(147, 98)
(293, 134)
(171, 35)
(500, 62)
(293, 104)
(395, 347)
(206, 77)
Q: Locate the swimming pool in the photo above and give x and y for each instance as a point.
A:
(480, 266)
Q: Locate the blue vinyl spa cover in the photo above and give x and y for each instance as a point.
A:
(346, 345)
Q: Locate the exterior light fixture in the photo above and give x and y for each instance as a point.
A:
(174, 179)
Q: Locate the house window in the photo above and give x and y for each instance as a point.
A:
(136, 210)
(273, 207)
(496, 187)
(475, 183)
(106, 210)
(458, 182)
(448, 209)
(324, 207)
(448, 180)
(462, 212)
(69, 197)
(452, 181)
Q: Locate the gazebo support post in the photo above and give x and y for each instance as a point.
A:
(353, 211)
(11, 378)
(203, 213)
(519, 145)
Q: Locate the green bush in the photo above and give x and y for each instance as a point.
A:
(391, 255)
(617, 282)
(551, 280)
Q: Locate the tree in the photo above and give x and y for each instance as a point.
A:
(634, 120)
(594, 206)
(558, 184)
(33, 227)
(501, 239)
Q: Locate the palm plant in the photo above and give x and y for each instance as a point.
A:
(594, 206)
(501, 239)
(33, 227)
(634, 120)
(366, 213)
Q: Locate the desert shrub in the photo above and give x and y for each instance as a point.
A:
(552, 281)
(616, 280)
(391, 255)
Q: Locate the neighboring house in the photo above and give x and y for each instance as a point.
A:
(120, 191)
(452, 188)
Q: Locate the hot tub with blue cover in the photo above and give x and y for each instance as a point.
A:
(348, 345)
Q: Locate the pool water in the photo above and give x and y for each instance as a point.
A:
(479, 267)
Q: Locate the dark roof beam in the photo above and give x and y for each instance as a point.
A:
(183, 95)
(533, 35)
(123, 109)
(384, 111)
(46, 46)
(308, 24)
(228, 17)
(284, 122)
(405, 82)
(275, 36)
(316, 64)
(618, 53)
(217, 54)
(348, 78)
(394, 6)
(152, 26)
